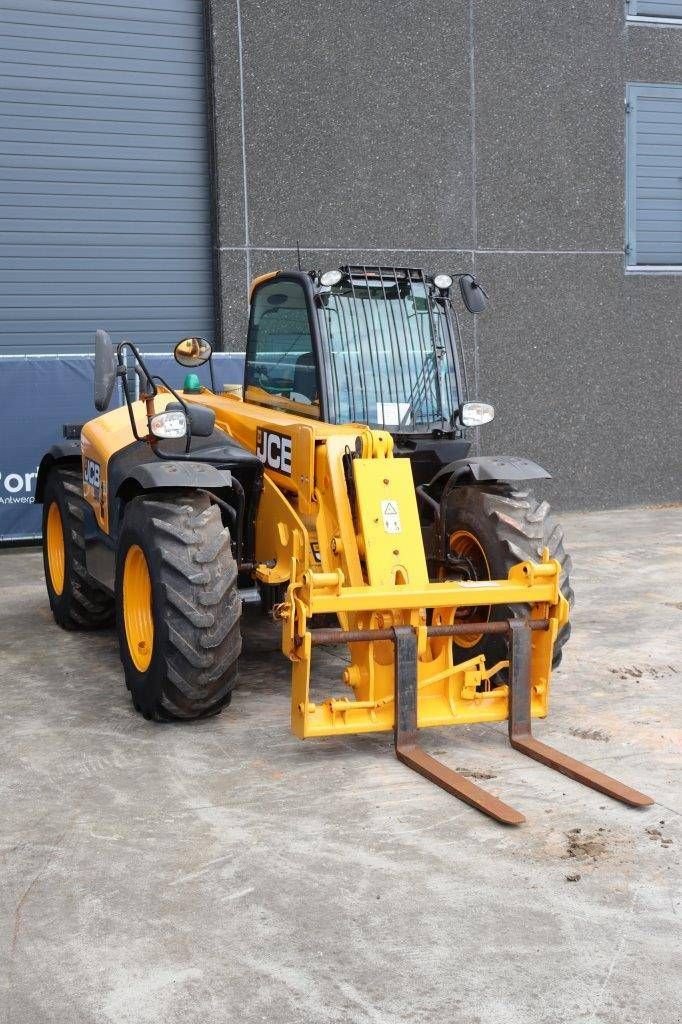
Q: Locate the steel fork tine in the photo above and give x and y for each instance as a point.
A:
(521, 736)
(407, 746)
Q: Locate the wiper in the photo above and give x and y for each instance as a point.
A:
(422, 385)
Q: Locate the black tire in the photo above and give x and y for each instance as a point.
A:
(270, 596)
(82, 603)
(511, 526)
(195, 607)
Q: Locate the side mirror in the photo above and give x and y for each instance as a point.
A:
(105, 370)
(192, 352)
(473, 296)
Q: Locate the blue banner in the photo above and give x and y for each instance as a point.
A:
(38, 395)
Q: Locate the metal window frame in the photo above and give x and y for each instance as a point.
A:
(633, 91)
(649, 19)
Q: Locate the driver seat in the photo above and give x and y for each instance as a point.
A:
(305, 378)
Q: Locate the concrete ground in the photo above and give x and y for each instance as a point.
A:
(224, 871)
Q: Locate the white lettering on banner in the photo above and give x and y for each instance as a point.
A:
(13, 483)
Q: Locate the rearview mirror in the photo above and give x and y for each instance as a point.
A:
(105, 370)
(473, 296)
(192, 352)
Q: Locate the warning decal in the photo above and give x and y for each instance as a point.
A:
(390, 514)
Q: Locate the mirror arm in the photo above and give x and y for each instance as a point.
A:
(140, 361)
(146, 397)
(122, 372)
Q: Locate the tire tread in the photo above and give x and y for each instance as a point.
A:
(202, 608)
(524, 525)
(83, 604)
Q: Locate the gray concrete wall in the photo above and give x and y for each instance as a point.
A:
(474, 134)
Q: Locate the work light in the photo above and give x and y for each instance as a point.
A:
(475, 414)
(442, 282)
(168, 424)
(330, 278)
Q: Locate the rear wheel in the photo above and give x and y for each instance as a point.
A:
(271, 594)
(490, 528)
(177, 607)
(76, 600)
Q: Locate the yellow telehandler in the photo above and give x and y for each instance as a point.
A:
(340, 478)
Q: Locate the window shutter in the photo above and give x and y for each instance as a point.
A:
(655, 8)
(654, 172)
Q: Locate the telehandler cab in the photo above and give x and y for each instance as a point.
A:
(340, 479)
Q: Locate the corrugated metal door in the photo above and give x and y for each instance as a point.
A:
(104, 177)
(655, 8)
(654, 166)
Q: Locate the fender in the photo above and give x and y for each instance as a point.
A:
(479, 469)
(152, 476)
(149, 476)
(136, 469)
(221, 465)
(63, 451)
(500, 468)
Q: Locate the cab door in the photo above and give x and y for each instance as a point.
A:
(282, 369)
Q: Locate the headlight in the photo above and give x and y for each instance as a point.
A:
(442, 282)
(330, 278)
(168, 424)
(475, 414)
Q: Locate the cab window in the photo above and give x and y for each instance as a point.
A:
(280, 364)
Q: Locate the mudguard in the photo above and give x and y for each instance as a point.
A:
(491, 468)
(221, 463)
(149, 475)
(155, 475)
(63, 451)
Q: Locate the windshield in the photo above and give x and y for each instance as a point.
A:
(391, 360)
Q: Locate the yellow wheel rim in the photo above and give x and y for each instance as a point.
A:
(56, 550)
(466, 545)
(137, 608)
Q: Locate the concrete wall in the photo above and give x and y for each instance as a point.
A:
(473, 134)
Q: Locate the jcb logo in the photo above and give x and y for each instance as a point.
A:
(274, 450)
(91, 475)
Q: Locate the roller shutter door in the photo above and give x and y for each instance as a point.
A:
(104, 176)
(654, 161)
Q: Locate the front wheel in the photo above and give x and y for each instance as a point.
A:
(489, 529)
(177, 607)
